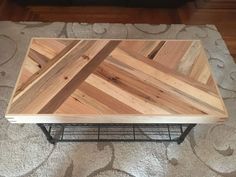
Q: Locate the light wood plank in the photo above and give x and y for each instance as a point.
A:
(48, 48)
(125, 97)
(106, 99)
(88, 100)
(171, 53)
(145, 48)
(38, 58)
(200, 70)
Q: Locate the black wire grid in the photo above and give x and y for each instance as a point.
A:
(115, 132)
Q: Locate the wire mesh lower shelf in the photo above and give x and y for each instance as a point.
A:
(115, 132)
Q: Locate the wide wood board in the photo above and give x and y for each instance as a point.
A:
(115, 81)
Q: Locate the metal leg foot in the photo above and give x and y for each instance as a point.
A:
(185, 133)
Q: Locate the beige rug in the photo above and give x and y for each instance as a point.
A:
(208, 151)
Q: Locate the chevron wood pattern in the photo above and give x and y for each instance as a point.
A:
(115, 81)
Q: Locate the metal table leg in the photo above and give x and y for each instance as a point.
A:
(46, 133)
(185, 133)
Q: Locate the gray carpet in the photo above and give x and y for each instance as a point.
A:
(208, 150)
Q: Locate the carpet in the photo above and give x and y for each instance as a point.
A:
(207, 151)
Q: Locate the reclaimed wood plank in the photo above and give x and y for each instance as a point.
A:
(171, 53)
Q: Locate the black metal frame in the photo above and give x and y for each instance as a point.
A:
(115, 132)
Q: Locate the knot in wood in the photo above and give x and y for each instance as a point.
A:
(85, 57)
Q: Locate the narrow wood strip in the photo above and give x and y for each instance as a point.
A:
(111, 119)
(211, 84)
(29, 69)
(186, 62)
(65, 42)
(38, 58)
(106, 99)
(94, 56)
(153, 53)
(125, 97)
(31, 66)
(200, 70)
(90, 101)
(171, 53)
(74, 106)
(25, 75)
(48, 48)
(141, 47)
(168, 79)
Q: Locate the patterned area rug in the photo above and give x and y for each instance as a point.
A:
(208, 150)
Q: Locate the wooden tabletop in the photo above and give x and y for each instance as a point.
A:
(115, 81)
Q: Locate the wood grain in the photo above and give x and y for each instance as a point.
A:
(101, 78)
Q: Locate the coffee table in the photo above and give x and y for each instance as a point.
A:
(116, 82)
